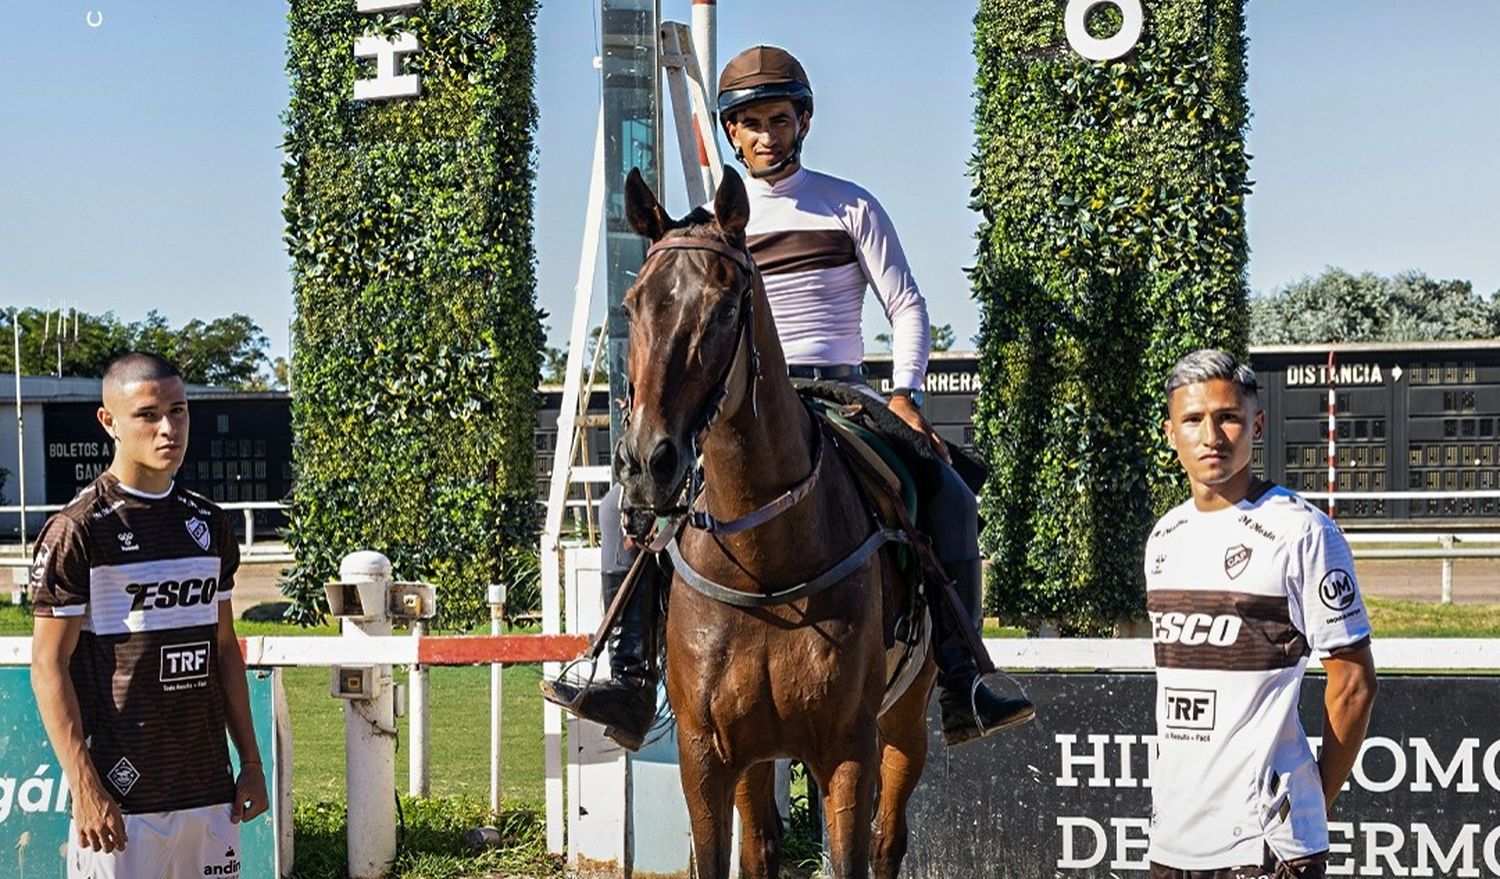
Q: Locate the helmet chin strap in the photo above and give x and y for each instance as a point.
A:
(791, 159)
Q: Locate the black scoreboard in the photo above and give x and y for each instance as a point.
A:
(1418, 418)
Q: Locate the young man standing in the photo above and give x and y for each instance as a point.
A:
(135, 663)
(819, 243)
(1243, 581)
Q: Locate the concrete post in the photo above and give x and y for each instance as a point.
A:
(418, 781)
(370, 728)
(1448, 570)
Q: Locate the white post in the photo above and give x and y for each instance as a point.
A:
(15, 328)
(418, 776)
(1447, 570)
(705, 24)
(370, 736)
(675, 57)
(557, 494)
(497, 620)
(249, 528)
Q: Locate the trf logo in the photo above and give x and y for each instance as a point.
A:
(1189, 709)
(1236, 559)
(184, 662)
(1337, 590)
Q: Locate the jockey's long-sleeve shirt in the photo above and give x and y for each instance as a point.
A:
(818, 242)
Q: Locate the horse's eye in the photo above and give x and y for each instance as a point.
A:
(729, 313)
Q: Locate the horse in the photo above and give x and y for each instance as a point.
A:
(758, 668)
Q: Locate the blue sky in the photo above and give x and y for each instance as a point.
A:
(141, 167)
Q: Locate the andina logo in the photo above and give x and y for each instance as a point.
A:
(172, 593)
(232, 868)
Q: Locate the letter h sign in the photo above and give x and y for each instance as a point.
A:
(388, 83)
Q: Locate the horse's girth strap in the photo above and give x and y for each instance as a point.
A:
(835, 574)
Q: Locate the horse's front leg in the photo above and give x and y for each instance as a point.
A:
(708, 785)
(848, 782)
(760, 823)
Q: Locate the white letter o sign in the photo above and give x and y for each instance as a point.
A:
(1092, 47)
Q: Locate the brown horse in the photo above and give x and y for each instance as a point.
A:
(753, 676)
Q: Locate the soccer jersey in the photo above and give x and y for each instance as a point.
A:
(818, 242)
(1238, 599)
(146, 573)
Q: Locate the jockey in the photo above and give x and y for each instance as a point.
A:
(818, 242)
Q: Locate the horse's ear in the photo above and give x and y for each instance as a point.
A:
(645, 213)
(732, 207)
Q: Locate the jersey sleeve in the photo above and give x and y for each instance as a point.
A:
(229, 554)
(59, 582)
(884, 264)
(1322, 582)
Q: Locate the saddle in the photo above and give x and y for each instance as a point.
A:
(893, 462)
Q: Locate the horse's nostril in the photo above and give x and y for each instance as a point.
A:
(625, 463)
(663, 461)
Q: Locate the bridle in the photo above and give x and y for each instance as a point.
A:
(696, 515)
(690, 513)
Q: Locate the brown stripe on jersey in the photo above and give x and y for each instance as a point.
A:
(1265, 640)
(801, 250)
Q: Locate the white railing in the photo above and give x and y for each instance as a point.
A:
(16, 554)
(1426, 545)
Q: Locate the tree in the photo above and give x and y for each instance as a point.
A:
(555, 360)
(417, 341)
(1337, 306)
(942, 337)
(226, 351)
(1112, 243)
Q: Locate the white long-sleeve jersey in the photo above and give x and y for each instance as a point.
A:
(819, 241)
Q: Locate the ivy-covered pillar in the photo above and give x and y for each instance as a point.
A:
(417, 341)
(1112, 242)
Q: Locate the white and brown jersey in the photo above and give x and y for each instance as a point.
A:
(819, 242)
(1239, 598)
(146, 573)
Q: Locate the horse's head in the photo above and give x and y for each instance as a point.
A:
(691, 339)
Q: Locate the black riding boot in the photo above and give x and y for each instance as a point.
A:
(626, 703)
(970, 710)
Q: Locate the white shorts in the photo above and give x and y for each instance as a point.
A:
(185, 844)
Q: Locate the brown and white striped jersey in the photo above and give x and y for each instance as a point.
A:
(1238, 599)
(146, 573)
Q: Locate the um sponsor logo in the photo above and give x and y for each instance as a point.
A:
(1337, 590)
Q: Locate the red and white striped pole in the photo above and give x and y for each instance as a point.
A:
(1333, 417)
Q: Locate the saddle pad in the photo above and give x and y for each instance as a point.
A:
(904, 661)
(858, 440)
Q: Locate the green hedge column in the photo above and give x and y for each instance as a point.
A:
(416, 347)
(1113, 242)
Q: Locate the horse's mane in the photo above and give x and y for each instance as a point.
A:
(698, 223)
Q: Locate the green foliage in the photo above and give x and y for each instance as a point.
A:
(941, 337)
(416, 346)
(227, 351)
(431, 842)
(1336, 306)
(1112, 243)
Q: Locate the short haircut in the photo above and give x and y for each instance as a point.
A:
(1209, 364)
(139, 366)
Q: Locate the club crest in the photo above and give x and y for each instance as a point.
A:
(198, 530)
(1236, 558)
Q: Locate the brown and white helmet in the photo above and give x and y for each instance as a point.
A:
(763, 73)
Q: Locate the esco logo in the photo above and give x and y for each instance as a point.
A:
(172, 593)
(1194, 629)
(1075, 24)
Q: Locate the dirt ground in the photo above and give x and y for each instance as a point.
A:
(1475, 581)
